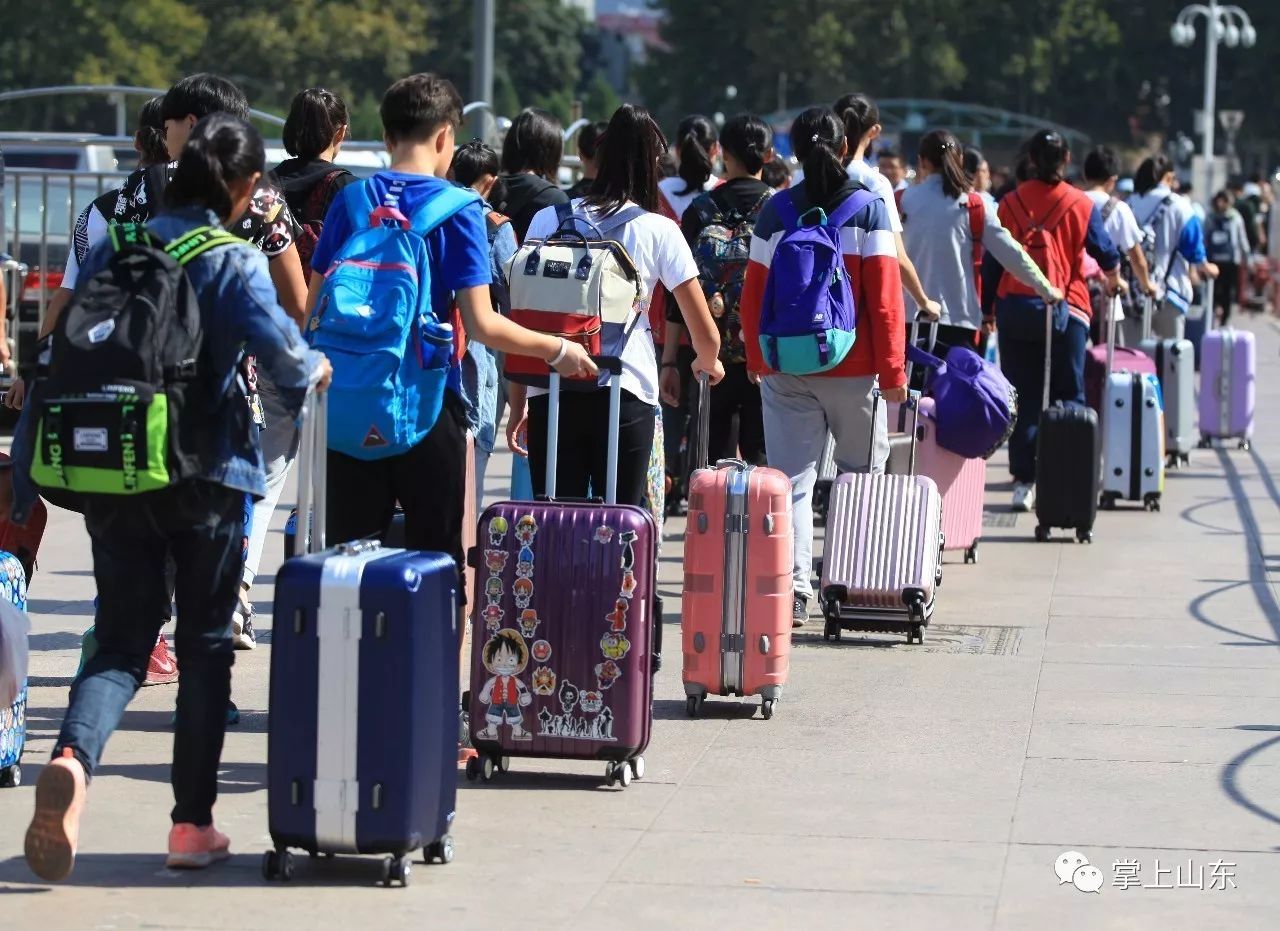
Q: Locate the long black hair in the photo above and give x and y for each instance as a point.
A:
(315, 117)
(627, 161)
(1048, 152)
(222, 148)
(1151, 172)
(694, 138)
(943, 152)
(860, 115)
(533, 143)
(149, 136)
(816, 137)
(748, 139)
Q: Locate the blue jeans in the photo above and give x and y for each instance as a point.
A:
(1021, 332)
(202, 526)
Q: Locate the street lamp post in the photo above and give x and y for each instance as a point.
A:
(1228, 24)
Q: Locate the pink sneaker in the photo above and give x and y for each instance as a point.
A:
(55, 827)
(194, 848)
(162, 667)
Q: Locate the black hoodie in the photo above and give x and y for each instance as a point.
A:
(298, 179)
(525, 195)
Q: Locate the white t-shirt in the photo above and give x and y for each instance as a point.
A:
(1121, 225)
(662, 256)
(95, 228)
(873, 181)
(669, 189)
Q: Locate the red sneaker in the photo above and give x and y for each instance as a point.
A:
(162, 668)
(54, 833)
(194, 848)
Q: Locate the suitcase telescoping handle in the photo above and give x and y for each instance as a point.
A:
(612, 365)
(913, 402)
(1113, 311)
(1048, 351)
(313, 471)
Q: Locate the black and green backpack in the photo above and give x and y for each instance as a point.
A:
(120, 396)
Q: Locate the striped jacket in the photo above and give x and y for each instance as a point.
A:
(871, 258)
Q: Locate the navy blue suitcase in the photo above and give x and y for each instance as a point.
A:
(362, 740)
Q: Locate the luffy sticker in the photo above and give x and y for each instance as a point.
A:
(526, 530)
(505, 657)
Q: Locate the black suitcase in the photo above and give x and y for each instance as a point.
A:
(1068, 462)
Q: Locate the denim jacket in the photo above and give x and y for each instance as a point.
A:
(240, 315)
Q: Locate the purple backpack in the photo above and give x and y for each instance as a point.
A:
(807, 318)
(974, 404)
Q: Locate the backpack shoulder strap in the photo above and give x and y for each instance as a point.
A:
(360, 203)
(197, 242)
(1057, 211)
(1110, 207)
(850, 207)
(127, 234)
(1022, 216)
(977, 211)
(440, 208)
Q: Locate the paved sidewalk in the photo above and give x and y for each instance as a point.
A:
(1121, 700)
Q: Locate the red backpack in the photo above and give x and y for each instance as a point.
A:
(311, 223)
(1036, 236)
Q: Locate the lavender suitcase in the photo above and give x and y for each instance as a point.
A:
(567, 626)
(883, 559)
(362, 735)
(1227, 385)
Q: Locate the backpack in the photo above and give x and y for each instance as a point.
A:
(311, 222)
(807, 317)
(1218, 239)
(391, 356)
(120, 408)
(977, 211)
(975, 406)
(493, 221)
(721, 251)
(1039, 242)
(578, 285)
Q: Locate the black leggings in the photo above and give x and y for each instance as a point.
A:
(737, 395)
(582, 459)
(1226, 289)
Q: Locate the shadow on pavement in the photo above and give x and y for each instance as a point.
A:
(719, 707)
(144, 871)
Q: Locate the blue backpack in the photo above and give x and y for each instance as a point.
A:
(807, 319)
(391, 357)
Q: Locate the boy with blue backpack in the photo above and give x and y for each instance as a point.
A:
(397, 250)
(822, 323)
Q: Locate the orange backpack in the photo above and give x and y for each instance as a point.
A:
(1044, 248)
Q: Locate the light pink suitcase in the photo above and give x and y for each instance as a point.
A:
(883, 559)
(961, 482)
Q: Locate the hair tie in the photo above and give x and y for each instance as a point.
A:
(814, 138)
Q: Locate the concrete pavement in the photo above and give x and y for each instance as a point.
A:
(1120, 700)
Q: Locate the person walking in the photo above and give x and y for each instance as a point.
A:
(1227, 246)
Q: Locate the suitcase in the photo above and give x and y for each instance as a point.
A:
(961, 482)
(822, 485)
(1099, 362)
(1068, 461)
(564, 669)
(1133, 428)
(1176, 369)
(24, 542)
(13, 718)
(735, 616)
(1227, 386)
(363, 727)
(883, 556)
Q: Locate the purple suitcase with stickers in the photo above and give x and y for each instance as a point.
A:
(567, 628)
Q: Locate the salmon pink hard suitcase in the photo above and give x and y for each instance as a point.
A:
(735, 617)
(883, 559)
(567, 624)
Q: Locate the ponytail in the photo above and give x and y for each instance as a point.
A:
(222, 149)
(150, 136)
(315, 118)
(627, 162)
(816, 137)
(694, 138)
(941, 150)
(1048, 152)
(860, 115)
(747, 138)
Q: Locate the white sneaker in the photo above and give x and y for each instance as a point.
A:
(1024, 497)
(243, 636)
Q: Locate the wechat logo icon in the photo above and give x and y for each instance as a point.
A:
(1073, 867)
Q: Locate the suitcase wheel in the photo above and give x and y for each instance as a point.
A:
(619, 773)
(1108, 501)
(1151, 502)
(637, 767)
(11, 777)
(1083, 535)
(397, 870)
(832, 631)
(1246, 445)
(1042, 533)
(766, 707)
(441, 850)
(277, 864)
(1205, 442)
(482, 767)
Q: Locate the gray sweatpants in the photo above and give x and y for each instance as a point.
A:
(279, 448)
(799, 410)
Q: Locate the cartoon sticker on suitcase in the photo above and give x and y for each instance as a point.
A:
(577, 726)
(505, 657)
